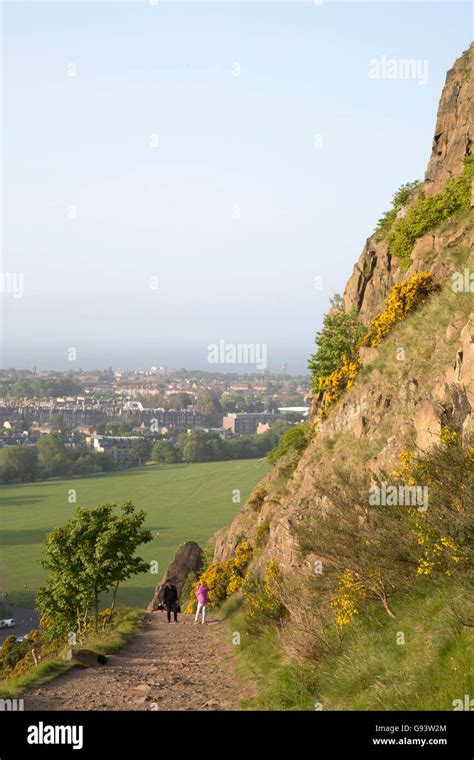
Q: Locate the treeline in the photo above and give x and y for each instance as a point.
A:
(42, 387)
(199, 446)
(49, 458)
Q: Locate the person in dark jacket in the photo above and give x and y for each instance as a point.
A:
(170, 599)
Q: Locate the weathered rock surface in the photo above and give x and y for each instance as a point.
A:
(188, 558)
(453, 136)
(376, 270)
(84, 656)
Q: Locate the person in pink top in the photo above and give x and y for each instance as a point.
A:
(202, 594)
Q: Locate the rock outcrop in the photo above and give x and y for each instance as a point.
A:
(376, 271)
(452, 140)
(401, 399)
(86, 657)
(188, 558)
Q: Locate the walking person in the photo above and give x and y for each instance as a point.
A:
(202, 594)
(170, 599)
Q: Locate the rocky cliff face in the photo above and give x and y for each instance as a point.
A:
(395, 403)
(376, 271)
(452, 139)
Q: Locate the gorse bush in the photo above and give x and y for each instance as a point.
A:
(340, 336)
(338, 381)
(345, 603)
(445, 532)
(427, 213)
(262, 599)
(223, 578)
(17, 658)
(370, 552)
(403, 299)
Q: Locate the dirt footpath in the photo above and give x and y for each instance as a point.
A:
(183, 666)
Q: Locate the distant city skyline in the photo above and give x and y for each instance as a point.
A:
(180, 174)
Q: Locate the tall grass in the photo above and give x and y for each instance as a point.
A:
(374, 670)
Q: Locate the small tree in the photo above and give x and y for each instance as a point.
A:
(90, 555)
(339, 337)
(165, 452)
(140, 452)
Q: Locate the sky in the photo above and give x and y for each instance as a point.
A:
(177, 175)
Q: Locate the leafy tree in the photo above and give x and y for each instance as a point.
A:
(179, 400)
(165, 452)
(88, 556)
(18, 463)
(87, 463)
(140, 451)
(115, 428)
(198, 446)
(340, 335)
(50, 446)
(207, 402)
(41, 387)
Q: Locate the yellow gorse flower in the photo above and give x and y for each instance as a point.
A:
(349, 592)
(223, 578)
(403, 299)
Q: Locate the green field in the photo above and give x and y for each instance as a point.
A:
(183, 502)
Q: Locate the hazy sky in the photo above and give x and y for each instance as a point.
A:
(179, 173)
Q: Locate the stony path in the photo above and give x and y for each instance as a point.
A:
(166, 667)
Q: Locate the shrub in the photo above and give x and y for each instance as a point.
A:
(257, 498)
(338, 381)
(399, 200)
(263, 603)
(403, 299)
(445, 532)
(223, 578)
(350, 590)
(263, 531)
(339, 337)
(17, 658)
(294, 441)
(428, 212)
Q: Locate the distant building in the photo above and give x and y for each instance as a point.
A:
(174, 419)
(246, 423)
(223, 433)
(118, 447)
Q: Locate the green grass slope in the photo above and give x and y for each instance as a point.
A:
(373, 670)
(182, 502)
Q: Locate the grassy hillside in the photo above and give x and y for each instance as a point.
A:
(373, 670)
(182, 502)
